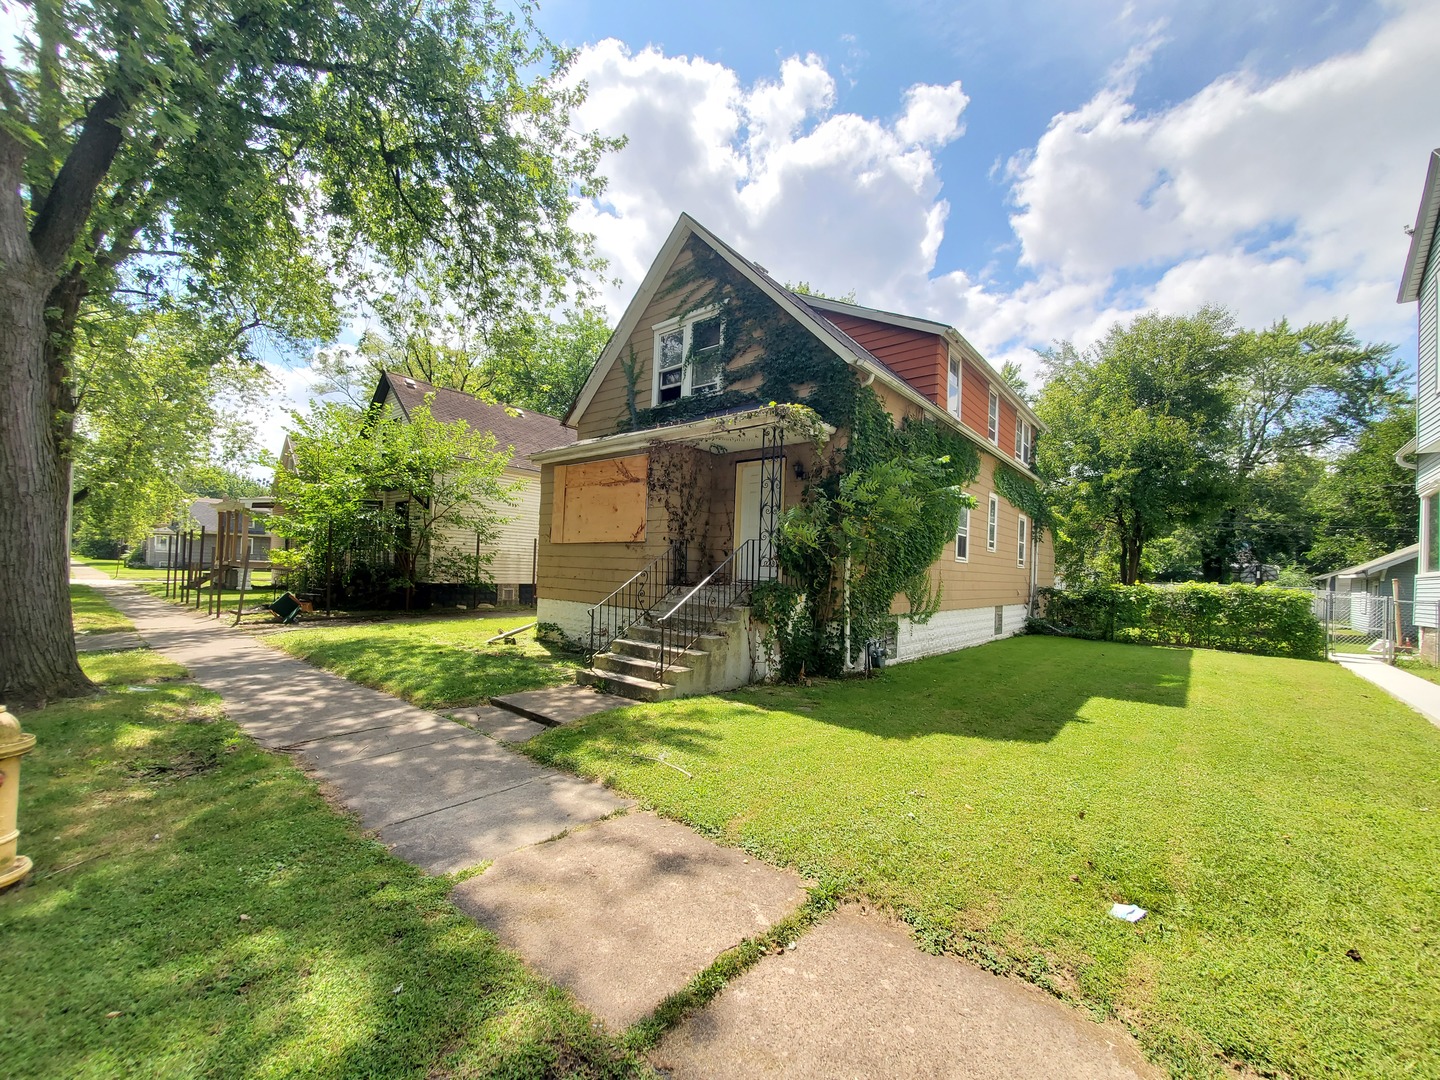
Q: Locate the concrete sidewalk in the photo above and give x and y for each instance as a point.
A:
(1420, 694)
(439, 794)
(626, 910)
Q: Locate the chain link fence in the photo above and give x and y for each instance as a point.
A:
(1380, 626)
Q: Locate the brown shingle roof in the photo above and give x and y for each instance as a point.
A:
(527, 432)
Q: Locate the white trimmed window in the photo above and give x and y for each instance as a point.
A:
(1430, 533)
(952, 388)
(962, 536)
(993, 525)
(696, 339)
(993, 430)
(1024, 441)
(1023, 540)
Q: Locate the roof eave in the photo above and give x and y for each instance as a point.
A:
(1423, 234)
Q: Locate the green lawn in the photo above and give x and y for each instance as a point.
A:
(434, 662)
(197, 909)
(1421, 668)
(1280, 820)
(91, 613)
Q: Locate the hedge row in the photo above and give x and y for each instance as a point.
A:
(1239, 618)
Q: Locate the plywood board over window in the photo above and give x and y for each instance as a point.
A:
(600, 502)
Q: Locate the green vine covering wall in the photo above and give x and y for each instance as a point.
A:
(875, 515)
(1025, 495)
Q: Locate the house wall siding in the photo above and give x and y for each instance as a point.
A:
(513, 551)
(921, 359)
(607, 410)
(1427, 416)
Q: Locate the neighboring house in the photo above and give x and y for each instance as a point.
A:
(203, 514)
(602, 519)
(1422, 268)
(513, 552)
(1361, 593)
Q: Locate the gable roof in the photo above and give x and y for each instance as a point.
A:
(526, 431)
(809, 311)
(1423, 236)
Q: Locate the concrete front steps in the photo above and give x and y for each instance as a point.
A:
(628, 668)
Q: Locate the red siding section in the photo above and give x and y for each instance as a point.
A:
(1007, 428)
(917, 357)
(974, 399)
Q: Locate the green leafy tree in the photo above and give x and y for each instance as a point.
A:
(1301, 394)
(150, 385)
(1136, 434)
(358, 488)
(252, 157)
(1365, 505)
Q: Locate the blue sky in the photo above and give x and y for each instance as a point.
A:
(1027, 172)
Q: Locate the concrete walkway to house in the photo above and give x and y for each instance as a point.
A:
(625, 908)
(1420, 694)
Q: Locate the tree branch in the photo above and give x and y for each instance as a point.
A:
(67, 208)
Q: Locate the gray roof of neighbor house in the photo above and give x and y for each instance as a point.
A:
(1380, 562)
(528, 432)
(1423, 234)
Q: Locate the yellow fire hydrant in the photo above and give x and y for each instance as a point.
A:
(14, 744)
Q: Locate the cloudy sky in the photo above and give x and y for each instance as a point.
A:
(1026, 172)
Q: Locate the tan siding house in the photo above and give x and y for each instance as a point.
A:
(601, 518)
(513, 552)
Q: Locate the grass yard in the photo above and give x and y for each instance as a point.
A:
(434, 662)
(91, 613)
(197, 909)
(1422, 668)
(1280, 819)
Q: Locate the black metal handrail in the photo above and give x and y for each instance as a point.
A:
(701, 607)
(631, 602)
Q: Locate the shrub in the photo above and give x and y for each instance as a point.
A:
(1237, 618)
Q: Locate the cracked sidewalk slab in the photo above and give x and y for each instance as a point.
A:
(856, 998)
(626, 912)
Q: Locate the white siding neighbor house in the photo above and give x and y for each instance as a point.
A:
(1422, 267)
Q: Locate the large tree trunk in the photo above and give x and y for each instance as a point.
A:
(37, 645)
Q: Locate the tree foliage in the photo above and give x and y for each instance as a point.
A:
(254, 157)
(366, 495)
(1365, 505)
(1135, 435)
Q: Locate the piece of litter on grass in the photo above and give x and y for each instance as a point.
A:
(398, 989)
(244, 918)
(111, 1015)
(141, 689)
(791, 946)
(1128, 912)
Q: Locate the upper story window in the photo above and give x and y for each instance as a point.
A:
(1024, 441)
(952, 388)
(696, 338)
(993, 428)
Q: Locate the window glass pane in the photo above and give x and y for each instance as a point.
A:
(705, 353)
(994, 521)
(1020, 439)
(962, 535)
(1020, 546)
(952, 392)
(994, 432)
(672, 350)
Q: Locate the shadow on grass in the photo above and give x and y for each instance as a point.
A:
(434, 675)
(221, 919)
(1024, 689)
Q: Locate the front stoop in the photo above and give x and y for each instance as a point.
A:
(628, 668)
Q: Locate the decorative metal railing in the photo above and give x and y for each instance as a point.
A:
(699, 609)
(631, 602)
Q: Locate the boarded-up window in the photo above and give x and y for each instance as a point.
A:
(600, 502)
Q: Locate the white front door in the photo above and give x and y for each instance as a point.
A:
(749, 501)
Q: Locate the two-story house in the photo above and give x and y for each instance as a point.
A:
(610, 502)
(1422, 269)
